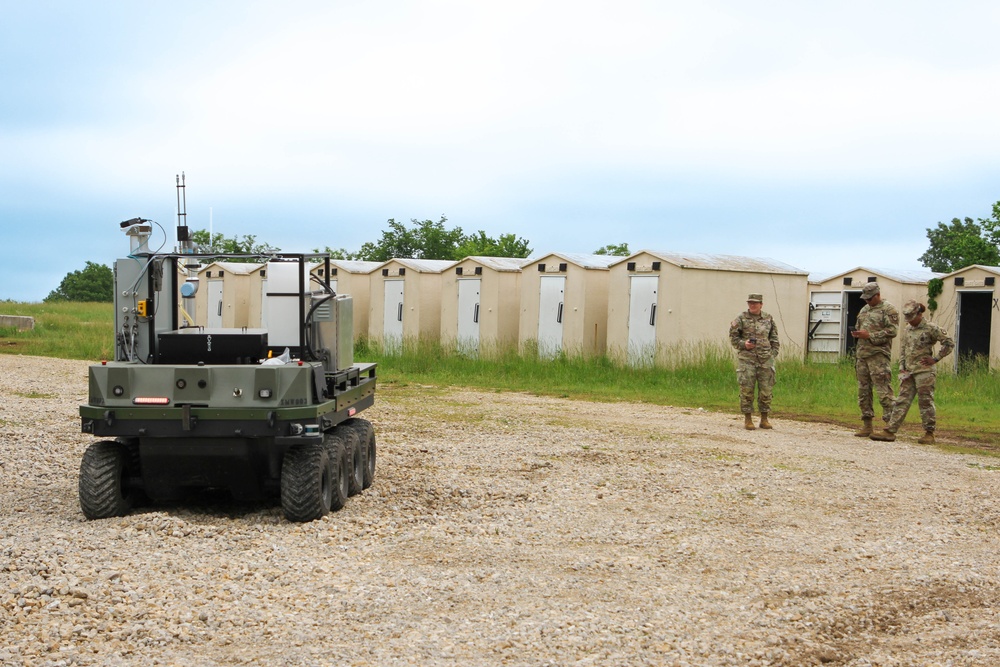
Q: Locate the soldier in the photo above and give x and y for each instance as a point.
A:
(755, 335)
(877, 325)
(917, 372)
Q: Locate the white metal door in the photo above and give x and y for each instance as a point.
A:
(826, 326)
(468, 315)
(214, 303)
(642, 320)
(392, 324)
(551, 303)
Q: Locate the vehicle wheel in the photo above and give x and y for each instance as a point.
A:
(357, 472)
(366, 433)
(338, 453)
(103, 476)
(308, 479)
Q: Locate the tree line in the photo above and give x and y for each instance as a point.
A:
(952, 246)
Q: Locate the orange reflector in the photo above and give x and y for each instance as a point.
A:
(151, 400)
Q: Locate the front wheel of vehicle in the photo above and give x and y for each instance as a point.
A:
(103, 487)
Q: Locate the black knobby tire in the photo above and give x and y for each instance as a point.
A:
(104, 491)
(356, 476)
(366, 433)
(338, 453)
(308, 479)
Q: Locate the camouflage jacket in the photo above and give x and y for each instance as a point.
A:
(882, 324)
(761, 327)
(918, 342)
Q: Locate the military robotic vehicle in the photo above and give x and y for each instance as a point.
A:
(263, 412)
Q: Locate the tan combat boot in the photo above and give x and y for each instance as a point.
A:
(883, 436)
(866, 430)
(763, 421)
(748, 422)
(928, 438)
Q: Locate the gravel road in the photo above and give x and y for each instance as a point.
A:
(509, 529)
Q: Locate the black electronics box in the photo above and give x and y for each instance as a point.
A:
(212, 346)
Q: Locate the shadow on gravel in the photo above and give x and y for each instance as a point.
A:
(210, 504)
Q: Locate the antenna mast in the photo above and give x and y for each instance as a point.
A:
(183, 239)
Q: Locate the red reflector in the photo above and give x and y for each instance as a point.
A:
(151, 400)
(352, 411)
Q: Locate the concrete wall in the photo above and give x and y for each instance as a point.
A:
(19, 322)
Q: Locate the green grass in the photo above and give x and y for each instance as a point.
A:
(67, 330)
(703, 378)
(698, 376)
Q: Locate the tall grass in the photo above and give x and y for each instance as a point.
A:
(698, 377)
(66, 329)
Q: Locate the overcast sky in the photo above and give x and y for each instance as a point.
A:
(823, 135)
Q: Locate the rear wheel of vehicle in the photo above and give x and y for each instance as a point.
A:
(337, 451)
(104, 491)
(357, 472)
(366, 433)
(308, 480)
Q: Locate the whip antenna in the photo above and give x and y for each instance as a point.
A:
(183, 239)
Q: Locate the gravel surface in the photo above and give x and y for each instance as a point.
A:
(508, 529)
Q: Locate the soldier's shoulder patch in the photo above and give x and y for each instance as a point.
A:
(735, 323)
(894, 316)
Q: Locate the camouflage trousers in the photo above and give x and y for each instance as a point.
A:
(921, 386)
(751, 374)
(874, 372)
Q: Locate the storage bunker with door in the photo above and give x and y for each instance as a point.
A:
(666, 304)
(834, 304)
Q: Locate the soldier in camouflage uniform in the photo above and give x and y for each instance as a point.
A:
(917, 372)
(877, 325)
(755, 335)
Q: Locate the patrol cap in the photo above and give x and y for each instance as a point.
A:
(869, 290)
(759, 298)
(911, 308)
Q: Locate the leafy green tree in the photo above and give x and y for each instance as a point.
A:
(615, 249)
(963, 243)
(338, 253)
(95, 282)
(429, 239)
(426, 240)
(245, 245)
(991, 226)
(481, 245)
